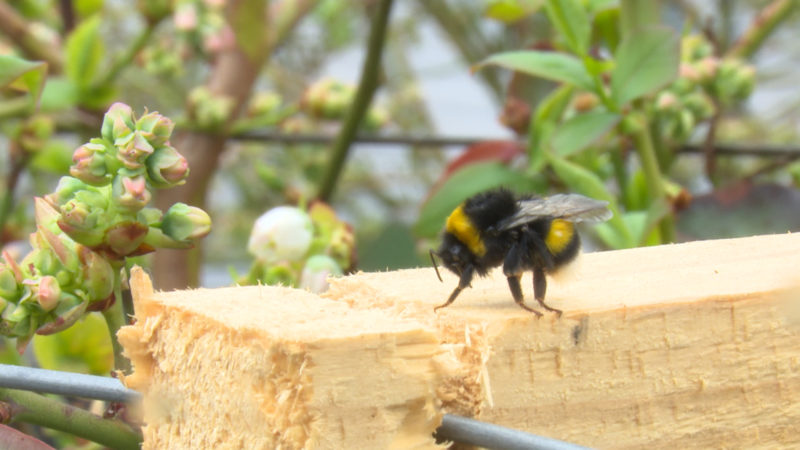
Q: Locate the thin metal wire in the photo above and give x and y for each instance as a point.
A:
(454, 428)
(65, 383)
(761, 150)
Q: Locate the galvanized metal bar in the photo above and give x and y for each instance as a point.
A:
(65, 383)
(473, 432)
(454, 428)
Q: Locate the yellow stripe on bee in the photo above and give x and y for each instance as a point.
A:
(559, 236)
(460, 225)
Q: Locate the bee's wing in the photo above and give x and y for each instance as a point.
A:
(572, 207)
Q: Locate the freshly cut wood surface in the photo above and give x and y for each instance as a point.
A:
(689, 345)
(266, 367)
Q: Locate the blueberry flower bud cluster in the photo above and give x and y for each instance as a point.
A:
(329, 99)
(300, 248)
(208, 110)
(93, 220)
(101, 205)
(54, 285)
(704, 80)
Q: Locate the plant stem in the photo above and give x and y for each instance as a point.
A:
(115, 319)
(20, 106)
(363, 97)
(19, 31)
(621, 175)
(7, 201)
(600, 89)
(125, 59)
(652, 172)
(28, 407)
(761, 28)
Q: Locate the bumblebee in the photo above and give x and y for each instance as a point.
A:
(524, 233)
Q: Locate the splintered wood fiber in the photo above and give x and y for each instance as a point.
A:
(266, 367)
(693, 345)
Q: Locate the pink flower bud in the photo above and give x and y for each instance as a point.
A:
(117, 122)
(185, 18)
(155, 128)
(81, 222)
(166, 167)
(48, 293)
(97, 275)
(130, 192)
(89, 164)
(134, 151)
(125, 238)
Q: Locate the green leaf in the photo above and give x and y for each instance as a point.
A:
(570, 19)
(582, 130)
(606, 25)
(97, 97)
(550, 65)
(642, 226)
(55, 157)
(59, 94)
(657, 211)
(589, 184)
(9, 353)
(611, 237)
(28, 76)
(552, 107)
(597, 67)
(468, 181)
(543, 122)
(595, 6)
(635, 193)
(83, 348)
(646, 61)
(85, 8)
(510, 11)
(85, 50)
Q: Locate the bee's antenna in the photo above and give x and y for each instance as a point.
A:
(435, 267)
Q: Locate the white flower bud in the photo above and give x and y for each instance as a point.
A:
(281, 234)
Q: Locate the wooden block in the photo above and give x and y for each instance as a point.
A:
(689, 345)
(267, 367)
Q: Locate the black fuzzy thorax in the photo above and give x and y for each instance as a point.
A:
(486, 210)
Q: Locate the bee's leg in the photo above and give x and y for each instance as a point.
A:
(463, 283)
(516, 291)
(513, 267)
(540, 287)
(542, 254)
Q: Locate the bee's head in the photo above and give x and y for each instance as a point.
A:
(455, 256)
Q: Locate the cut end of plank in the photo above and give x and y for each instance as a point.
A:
(691, 344)
(270, 367)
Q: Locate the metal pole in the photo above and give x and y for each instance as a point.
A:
(453, 428)
(487, 435)
(65, 383)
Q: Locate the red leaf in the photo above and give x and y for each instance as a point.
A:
(503, 151)
(12, 438)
